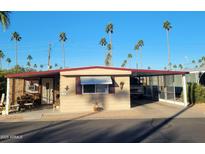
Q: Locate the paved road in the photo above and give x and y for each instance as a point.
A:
(116, 130)
(146, 124)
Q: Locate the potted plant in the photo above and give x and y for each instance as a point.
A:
(96, 106)
(3, 110)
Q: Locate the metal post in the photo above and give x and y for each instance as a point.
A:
(7, 96)
(184, 90)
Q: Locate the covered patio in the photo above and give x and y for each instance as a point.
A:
(32, 90)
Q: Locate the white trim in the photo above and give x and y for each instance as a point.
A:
(171, 102)
(7, 96)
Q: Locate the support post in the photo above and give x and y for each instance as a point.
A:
(7, 96)
(184, 90)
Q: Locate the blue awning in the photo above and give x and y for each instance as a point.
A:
(95, 80)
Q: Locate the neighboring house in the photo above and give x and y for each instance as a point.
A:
(110, 88)
(196, 76)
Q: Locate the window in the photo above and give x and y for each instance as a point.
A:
(101, 88)
(95, 89)
(89, 88)
(32, 86)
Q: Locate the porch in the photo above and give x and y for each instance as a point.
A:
(33, 92)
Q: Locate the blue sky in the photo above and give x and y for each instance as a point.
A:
(84, 30)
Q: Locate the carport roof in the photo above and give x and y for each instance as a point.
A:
(136, 72)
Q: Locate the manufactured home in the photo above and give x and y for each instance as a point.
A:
(107, 88)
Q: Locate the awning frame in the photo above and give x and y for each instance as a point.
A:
(93, 80)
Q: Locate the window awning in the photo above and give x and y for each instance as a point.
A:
(95, 80)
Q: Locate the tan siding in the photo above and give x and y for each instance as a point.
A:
(85, 102)
(96, 71)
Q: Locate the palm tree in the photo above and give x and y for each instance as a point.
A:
(203, 59)
(200, 61)
(4, 19)
(167, 26)
(8, 60)
(175, 66)
(103, 41)
(63, 39)
(165, 68)
(1, 57)
(140, 45)
(109, 31)
(35, 66)
(29, 58)
(148, 67)
(41, 66)
(180, 66)
(28, 64)
(107, 59)
(193, 62)
(56, 65)
(16, 37)
(129, 57)
(124, 63)
(137, 47)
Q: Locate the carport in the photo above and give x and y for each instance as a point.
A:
(148, 86)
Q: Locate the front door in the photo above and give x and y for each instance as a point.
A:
(47, 91)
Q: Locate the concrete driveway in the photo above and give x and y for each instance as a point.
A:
(145, 111)
(157, 122)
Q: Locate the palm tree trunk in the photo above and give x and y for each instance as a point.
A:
(140, 58)
(63, 52)
(110, 34)
(136, 61)
(169, 62)
(16, 53)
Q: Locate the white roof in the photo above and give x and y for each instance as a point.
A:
(95, 80)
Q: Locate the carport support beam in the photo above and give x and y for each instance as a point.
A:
(184, 90)
(7, 96)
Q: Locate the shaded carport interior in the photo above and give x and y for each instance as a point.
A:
(149, 86)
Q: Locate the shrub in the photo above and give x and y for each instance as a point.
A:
(195, 93)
